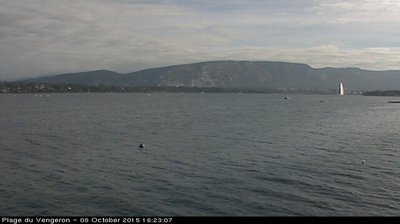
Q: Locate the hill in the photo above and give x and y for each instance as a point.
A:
(92, 78)
(238, 74)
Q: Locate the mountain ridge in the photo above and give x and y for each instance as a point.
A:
(237, 74)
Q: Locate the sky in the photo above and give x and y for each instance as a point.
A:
(45, 37)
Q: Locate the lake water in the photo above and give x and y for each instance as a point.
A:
(205, 155)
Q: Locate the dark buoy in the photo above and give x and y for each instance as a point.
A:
(141, 146)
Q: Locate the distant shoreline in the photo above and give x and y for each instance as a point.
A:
(383, 93)
(23, 87)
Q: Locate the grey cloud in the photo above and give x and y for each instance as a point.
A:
(39, 37)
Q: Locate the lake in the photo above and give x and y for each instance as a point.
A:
(204, 155)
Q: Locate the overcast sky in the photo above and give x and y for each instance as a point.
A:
(43, 37)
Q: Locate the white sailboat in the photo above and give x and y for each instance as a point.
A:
(341, 89)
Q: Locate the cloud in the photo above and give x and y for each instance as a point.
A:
(56, 36)
(322, 56)
(40, 37)
(360, 11)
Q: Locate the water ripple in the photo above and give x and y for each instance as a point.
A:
(211, 155)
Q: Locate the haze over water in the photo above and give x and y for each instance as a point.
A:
(205, 154)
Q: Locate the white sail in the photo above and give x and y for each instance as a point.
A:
(341, 89)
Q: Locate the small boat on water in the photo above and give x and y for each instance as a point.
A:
(393, 101)
(341, 89)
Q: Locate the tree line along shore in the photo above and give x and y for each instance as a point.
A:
(25, 87)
